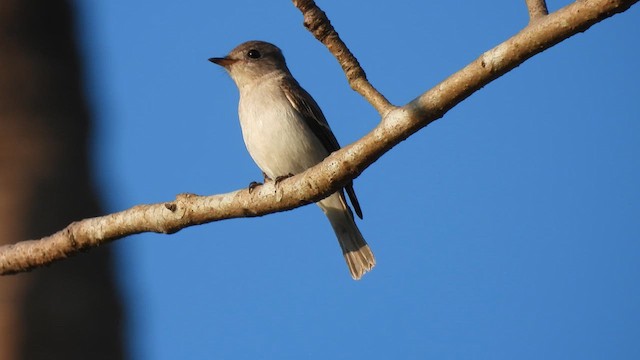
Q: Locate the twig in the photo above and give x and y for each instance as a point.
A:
(316, 21)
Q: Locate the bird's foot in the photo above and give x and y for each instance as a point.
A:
(253, 185)
(280, 178)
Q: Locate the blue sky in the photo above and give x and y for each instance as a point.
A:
(507, 229)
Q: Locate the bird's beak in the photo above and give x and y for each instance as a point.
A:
(224, 62)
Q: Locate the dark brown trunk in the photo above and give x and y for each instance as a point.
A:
(70, 310)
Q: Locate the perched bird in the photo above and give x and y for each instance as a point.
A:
(286, 133)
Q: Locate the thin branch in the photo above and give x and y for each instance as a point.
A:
(316, 21)
(331, 174)
(533, 39)
(537, 9)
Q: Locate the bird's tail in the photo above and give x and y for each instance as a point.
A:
(354, 248)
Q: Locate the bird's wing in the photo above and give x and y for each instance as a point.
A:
(311, 113)
(315, 120)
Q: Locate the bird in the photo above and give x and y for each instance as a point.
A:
(285, 133)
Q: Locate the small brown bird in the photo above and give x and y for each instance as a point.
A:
(286, 133)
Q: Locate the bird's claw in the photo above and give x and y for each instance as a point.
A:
(280, 178)
(253, 185)
(276, 181)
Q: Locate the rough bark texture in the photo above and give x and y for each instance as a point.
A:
(72, 310)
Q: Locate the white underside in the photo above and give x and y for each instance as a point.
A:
(275, 135)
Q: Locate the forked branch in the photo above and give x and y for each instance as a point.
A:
(537, 9)
(316, 21)
(332, 173)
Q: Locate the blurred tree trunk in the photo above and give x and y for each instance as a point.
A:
(70, 310)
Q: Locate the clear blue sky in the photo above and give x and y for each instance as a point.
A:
(509, 229)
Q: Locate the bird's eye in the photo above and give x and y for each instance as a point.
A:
(254, 54)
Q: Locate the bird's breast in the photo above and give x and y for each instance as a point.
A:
(275, 134)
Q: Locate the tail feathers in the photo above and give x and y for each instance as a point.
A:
(360, 261)
(356, 252)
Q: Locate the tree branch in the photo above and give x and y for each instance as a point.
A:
(537, 9)
(316, 21)
(331, 174)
